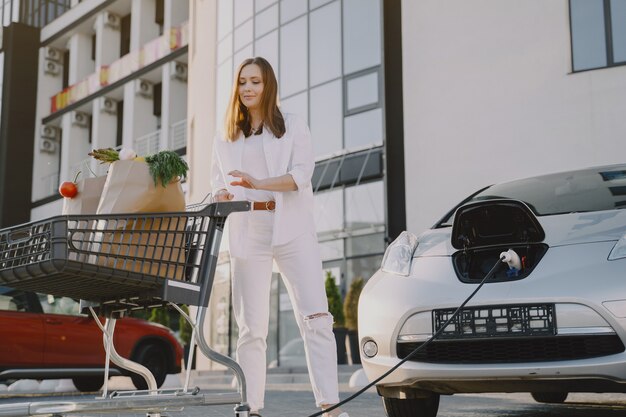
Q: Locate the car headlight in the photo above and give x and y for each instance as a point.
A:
(619, 250)
(399, 254)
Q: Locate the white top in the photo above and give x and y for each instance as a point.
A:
(253, 162)
(292, 154)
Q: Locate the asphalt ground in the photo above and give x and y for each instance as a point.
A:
(283, 403)
(296, 400)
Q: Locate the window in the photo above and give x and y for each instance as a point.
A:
(157, 93)
(13, 300)
(293, 57)
(266, 21)
(120, 123)
(327, 55)
(224, 18)
(66, 69)
(568, 192)
(59, 305)
(159, 12)
(349, 169)
(329, 211)
(243, 35)
(35, 12)
(598, 33)
(159, 15)
(93, 47)
(325, 43)
(327, 119)
(362, 91)
(125, 35)
(361, 35)
(365, 205)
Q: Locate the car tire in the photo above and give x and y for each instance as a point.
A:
(412, 407)
(549, 397)
(88, 383)
(154, 357)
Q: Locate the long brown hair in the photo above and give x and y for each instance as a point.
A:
(237, 115)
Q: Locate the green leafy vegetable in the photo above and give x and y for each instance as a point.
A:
(105, 155)
(166, 166)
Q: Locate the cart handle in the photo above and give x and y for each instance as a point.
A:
(224, 208)
(18, 236)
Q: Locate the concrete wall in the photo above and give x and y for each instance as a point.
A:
(201, 98)
(489, 96)
(201, 115)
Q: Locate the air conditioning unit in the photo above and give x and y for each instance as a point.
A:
(52, 54)
(178, 70)
(143, 88)
(51, 68)
(80, 119)
(47, 145)
(108, 105)
(112, 20)
(50, 132)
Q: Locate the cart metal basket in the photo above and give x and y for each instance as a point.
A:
(117, 263)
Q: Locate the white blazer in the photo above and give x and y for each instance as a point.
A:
(292, 154)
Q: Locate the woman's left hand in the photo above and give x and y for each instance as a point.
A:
(245, 180)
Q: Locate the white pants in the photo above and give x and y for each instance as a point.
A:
(300, 265)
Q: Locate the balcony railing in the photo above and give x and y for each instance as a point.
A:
(152, 51)
(50, 184)
(178, 135)
(148, 144)
(90, 167)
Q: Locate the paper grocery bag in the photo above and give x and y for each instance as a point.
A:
(129, 188)
(151, 245)
(88, 197)
(85, 202)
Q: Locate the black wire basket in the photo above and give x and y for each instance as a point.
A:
(124, 260)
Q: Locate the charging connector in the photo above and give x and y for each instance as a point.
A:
(512, 259)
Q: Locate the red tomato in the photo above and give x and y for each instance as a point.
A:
(68, 189)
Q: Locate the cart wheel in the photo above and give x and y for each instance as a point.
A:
(88, 383)
(154, 358)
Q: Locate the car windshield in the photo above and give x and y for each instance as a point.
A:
(568, 192)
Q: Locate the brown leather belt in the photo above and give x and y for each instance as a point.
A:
(264, 205)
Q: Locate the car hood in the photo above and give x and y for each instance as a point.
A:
(562, 229)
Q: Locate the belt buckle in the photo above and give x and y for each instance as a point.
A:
(267, 206)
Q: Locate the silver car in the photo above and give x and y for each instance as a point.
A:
(549, 319)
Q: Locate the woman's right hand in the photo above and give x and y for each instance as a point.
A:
(222, 195)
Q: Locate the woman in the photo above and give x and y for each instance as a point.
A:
(266, 157)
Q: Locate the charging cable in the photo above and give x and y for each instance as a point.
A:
(509, 257)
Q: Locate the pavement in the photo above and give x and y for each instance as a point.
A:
(288, 392)
(289, 379)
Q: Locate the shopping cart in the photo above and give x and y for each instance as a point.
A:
(116, 264)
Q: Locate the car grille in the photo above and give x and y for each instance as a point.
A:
(531, 349)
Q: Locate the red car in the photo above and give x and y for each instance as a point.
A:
(45, 337)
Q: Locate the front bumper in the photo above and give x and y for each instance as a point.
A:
(577, 275)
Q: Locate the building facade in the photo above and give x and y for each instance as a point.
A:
(497, 90)
(328, 57)
(111, 74)
(413, 105)
(21, 22)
